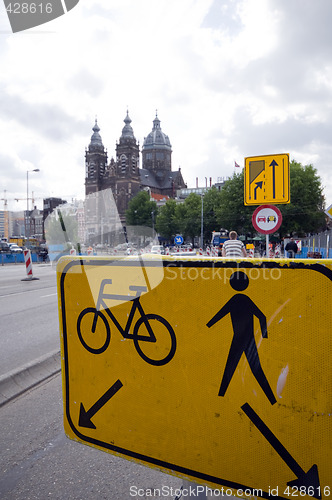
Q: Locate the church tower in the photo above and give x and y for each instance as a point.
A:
(157, 150)
(126, 168)
(95, 162)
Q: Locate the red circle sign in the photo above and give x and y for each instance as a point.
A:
(266, 219)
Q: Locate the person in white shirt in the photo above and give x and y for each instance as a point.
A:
(233, 247)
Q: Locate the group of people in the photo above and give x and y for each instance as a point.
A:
(235, 248)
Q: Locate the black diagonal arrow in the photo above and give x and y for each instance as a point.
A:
(258, 185)
(306, 479)
(86, 416)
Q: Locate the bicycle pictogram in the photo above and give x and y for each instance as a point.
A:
(145, 331)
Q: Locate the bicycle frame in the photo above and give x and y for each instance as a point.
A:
(135, 299)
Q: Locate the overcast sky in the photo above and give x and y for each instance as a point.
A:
(229, 78)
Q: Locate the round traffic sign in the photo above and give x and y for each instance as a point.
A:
(178, 240)
(267, 219)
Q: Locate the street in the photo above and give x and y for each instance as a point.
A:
(28, 315)
(37, 460)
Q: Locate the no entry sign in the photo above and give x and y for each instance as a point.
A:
(267, 219)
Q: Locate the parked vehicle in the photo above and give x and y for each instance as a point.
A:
(15, 248)
(4, 247)
(219, 237)
(157, 249)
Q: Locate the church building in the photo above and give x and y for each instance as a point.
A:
(124, 175)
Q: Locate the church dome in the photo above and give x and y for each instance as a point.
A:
(156, 138)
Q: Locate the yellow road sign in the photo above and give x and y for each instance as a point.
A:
(214, 370)
(328, 211)
(266, 179)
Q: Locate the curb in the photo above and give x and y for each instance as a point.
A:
(16, 382)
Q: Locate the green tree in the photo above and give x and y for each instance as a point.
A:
(305, 213)
(188, 216)
(141, 210)
(211, 204)
(166, 223)
(231, 213)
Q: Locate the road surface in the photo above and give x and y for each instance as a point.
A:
(28, 315)
(38, 461)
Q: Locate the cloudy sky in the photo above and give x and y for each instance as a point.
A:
(229, 78)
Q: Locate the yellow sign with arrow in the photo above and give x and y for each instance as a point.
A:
(212, 369)
(266, 179)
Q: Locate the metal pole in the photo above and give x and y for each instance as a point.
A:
(327, 245)
(267, 245)
(27, 229)
(202, 221)
(27, 217)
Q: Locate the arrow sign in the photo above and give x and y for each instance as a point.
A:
(306, 479)
(258, 185)
(273, 164)
(178, 240)
(85, 416)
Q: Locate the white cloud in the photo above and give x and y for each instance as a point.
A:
(230, 78)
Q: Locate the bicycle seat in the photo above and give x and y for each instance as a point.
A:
(137, 288)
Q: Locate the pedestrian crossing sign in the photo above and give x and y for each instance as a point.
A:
(216, 370)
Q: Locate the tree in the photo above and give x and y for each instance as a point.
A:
(141, 210)
(231, 213)
(305, 213)
(166, 224)
(211, 204)
(188, 216)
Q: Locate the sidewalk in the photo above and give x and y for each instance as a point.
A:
(14, 383)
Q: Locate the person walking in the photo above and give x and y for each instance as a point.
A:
(233, 247)
(291, 248)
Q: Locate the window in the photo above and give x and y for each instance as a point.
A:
(133, 164)
(123, 163)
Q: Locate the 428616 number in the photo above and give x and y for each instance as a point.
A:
(302, 491)
(29, 8)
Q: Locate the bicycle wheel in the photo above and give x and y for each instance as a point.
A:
(96, 341)
(156, 351)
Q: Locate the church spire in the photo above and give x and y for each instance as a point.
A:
(96, 141)
(127, 131)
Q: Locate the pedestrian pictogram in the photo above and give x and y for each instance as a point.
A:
(266, 179)
(242, 310)
(212, 370)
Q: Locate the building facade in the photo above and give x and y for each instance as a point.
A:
(123, 175)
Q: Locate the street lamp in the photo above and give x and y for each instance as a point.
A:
(27, 229)
(202, 219)
(152, 217)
